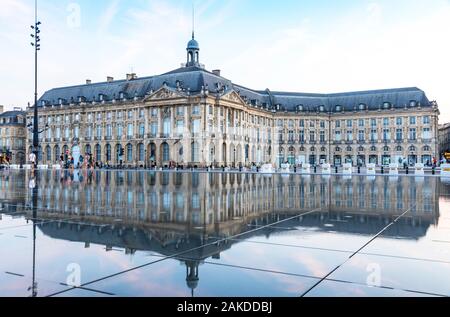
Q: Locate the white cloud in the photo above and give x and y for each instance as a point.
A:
(366, 48)
(108, 16)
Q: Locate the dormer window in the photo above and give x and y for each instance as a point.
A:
(81, 99)
(338, 108)
(101, 97)
(301, 108)
(413, 103)
(362, 107)
(43, 103)
(387, 105)
(122, 95)
(321, 108)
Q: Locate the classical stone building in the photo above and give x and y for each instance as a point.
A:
(444, 138)
(191, 116)
(13, 135)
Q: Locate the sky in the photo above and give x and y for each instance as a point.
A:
(320, 46)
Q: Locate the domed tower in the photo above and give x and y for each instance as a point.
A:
(192, 278)
(193, 50)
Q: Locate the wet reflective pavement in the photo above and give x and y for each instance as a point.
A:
(129, 233)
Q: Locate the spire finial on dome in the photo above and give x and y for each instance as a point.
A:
(193, 20)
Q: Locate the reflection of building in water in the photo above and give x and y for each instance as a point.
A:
(12, 195)
(178, 200)
(180, 215)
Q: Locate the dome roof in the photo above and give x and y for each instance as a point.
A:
(193, 45)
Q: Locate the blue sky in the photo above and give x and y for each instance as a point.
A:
(312, 46)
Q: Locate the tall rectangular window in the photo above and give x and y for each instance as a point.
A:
(427, 133)
(180, 127)
(302, 136)
(338, 136)
(412, 134)
(196, 126)
(386, 135)
(426, 120)
(373, 123)
(322, 136)
(154, 128)
(399, 121)
(361, 135)
(412, 120)
(399, 135)
(349, 136)
(130, 130)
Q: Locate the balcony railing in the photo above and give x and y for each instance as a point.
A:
(108, 138)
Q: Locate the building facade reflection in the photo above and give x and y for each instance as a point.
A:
(194, 216)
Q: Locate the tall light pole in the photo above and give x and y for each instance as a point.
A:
(37, 47)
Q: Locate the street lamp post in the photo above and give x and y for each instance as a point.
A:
(37, 47)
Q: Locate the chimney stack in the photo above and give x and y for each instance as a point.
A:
(216, 72)
(88, 81)
(131, 76)
(109, 79)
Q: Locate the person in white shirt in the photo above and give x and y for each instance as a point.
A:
(32, 159)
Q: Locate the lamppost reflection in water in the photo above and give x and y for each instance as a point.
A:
(34, 199)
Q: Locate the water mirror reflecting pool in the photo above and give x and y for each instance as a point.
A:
(129, 233)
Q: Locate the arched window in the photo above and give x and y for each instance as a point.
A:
(338, 149)
(108, 152)
(141, 154)
(412, 148)
(386, 149)
(360, 149)
(373, 149)
(57, 153)
(349, 149)
(129, 153)
(399, 149)
(362, 107)
(98, 153)
(88, 149)
(323, 149)
(195, 157)
(291, 149)
(48, 153)
(165, 152)
(313, 149)
(427, 148)
(302, 149)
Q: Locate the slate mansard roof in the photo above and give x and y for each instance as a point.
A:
(12, 118)
(191, 80)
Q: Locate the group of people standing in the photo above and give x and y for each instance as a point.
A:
(5, 159)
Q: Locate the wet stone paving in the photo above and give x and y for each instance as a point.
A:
(134, 233)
